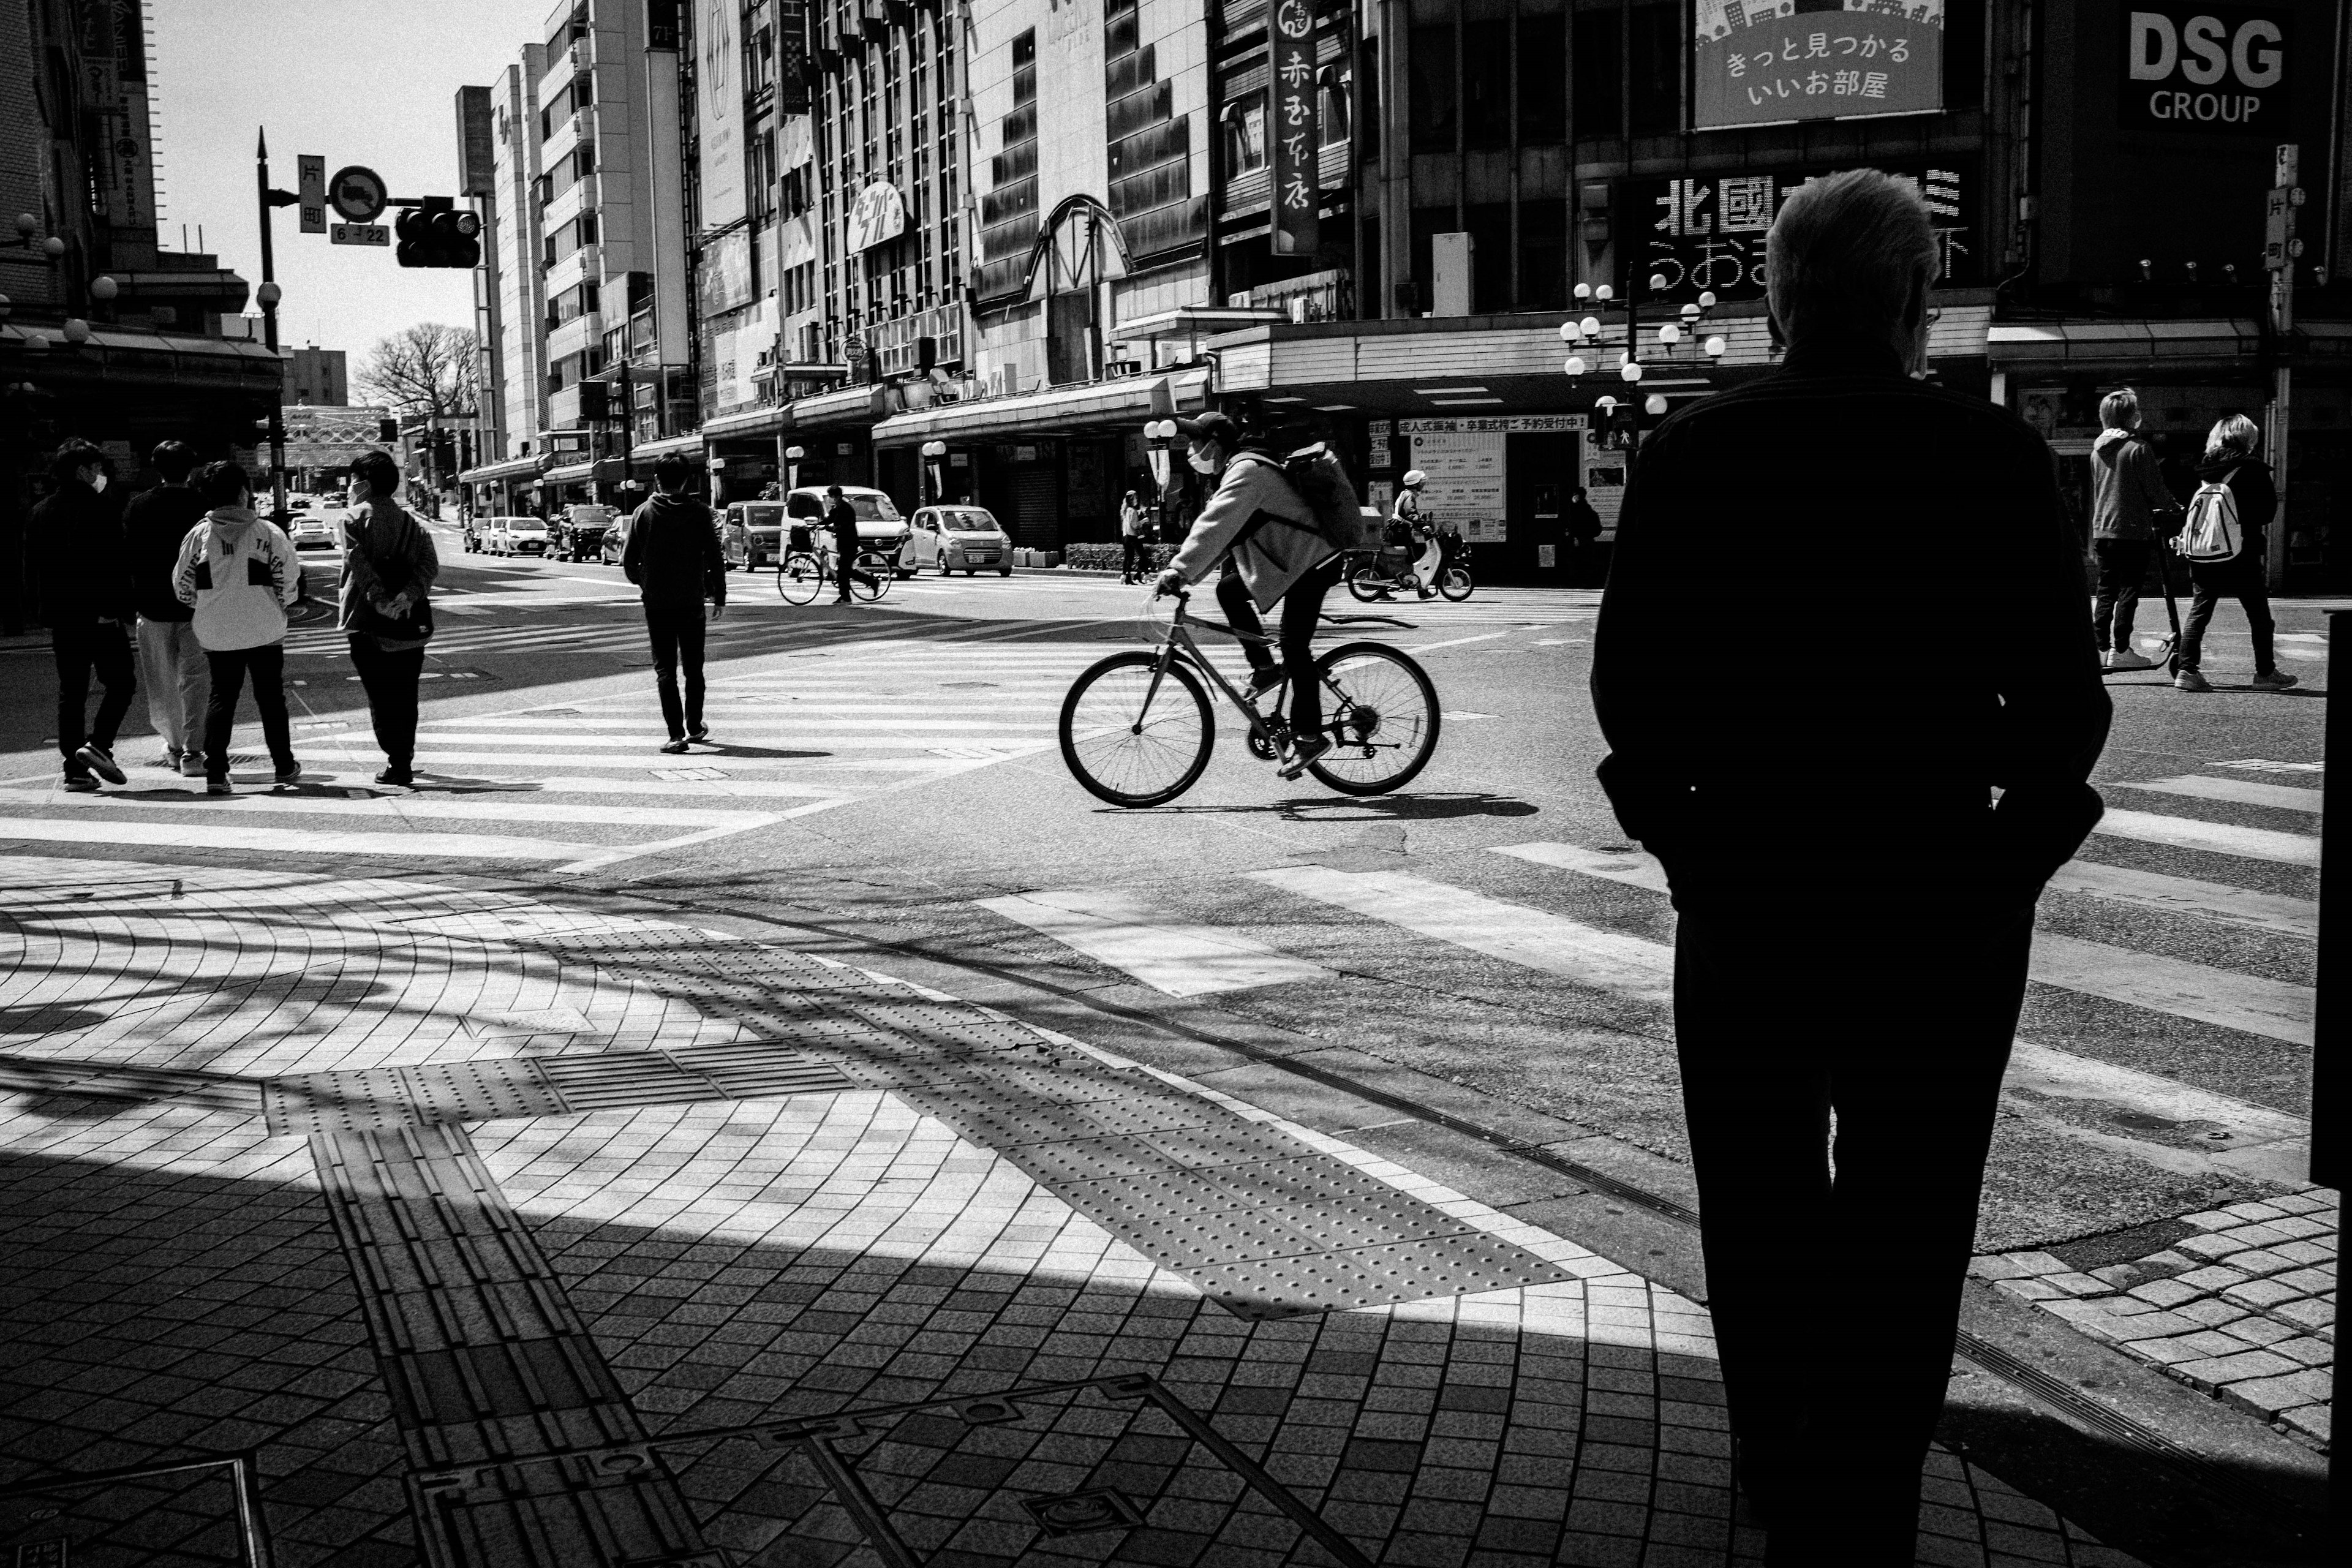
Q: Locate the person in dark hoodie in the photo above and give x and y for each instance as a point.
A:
(2229, 460)
(673, 557)
(2130, 508)
(384, 604)
(171, 664)
(79, 579)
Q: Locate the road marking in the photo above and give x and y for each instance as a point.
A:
(1634, 867)
(2276, 1009)
(2263, 1142)
(2216, 837)
(2237, 791)
(543, 734)
(405, 807)
(1457, 642)
(2274, 914)
(1515, 933)
(1179, 959)
(289, 840)
(431, 760)
(2264, 766)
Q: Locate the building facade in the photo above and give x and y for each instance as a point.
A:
(316, 377)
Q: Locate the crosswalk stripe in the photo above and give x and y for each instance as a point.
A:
(2220, 839)
(430, 758)
(2273, 913)
(2270, 1144)
(1173, 956)
(1515, 933)
(2237, 791)
(649, 732)
(242, 836)
(1633, 867)
(406, 808)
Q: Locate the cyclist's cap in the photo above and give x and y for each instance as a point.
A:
(1212, 427)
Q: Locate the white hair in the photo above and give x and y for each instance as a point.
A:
(2232, 434)
(1846, 254)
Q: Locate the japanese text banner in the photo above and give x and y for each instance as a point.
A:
(1292, 125)
(1764, 62)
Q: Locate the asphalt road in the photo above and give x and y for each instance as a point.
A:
(885, 773)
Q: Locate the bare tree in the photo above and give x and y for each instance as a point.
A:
(424, 369)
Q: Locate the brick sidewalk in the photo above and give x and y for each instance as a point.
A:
(396, 1224)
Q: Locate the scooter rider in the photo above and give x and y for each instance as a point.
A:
(1423, 530)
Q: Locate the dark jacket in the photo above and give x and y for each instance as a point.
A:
(383, 559)
(672, 553)
(2250, 481)
(2128, 500)
(841, 519)
(154, 524)
(76, 567)
(1583, 523)
(1832, 781)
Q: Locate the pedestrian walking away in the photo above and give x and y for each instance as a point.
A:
(1583, 530)
(383, 606)
(2130, 510)
(1262, 533)
(1134, 538)
(2225, 544)
(239, 571)
(78, 580)
(1854, 913)
(172, 665)
(673, 557)
(841, 519)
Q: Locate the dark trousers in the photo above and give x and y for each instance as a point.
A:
(1302, 607)
(268, 665)
(390, 680)
(2123, 566)
(1835, 1371)
(1135, 556)
(675, 631)
(2241, 580)
(844, 562)
(84, 647)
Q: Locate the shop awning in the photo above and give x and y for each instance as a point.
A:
(569, 474)
(490, 473)
(1126, 401)
(118, 356)
(690, 444)
(2016, 345)
(850, 405)
(748, 422)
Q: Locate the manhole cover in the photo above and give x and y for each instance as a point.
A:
(1076, 1513)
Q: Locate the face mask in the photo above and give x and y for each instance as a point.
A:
(1201, 465)
(98, 483)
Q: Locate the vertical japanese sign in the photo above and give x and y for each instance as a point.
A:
(478, 145)
(719, 62)
(311, 187)
(1766, 62)
(1298, 134)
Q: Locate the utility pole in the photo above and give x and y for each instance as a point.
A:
(268, 294)
(2281, 249)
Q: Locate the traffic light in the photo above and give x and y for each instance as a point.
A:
(387, 431)
(596, 400)
(436, 234)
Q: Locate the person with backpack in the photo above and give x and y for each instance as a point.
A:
(2224, 543)
(674, 558)
(78, 580)
(1134, 537)
(381, 605)
(2130, 508)
(1273, 549)
(171, 660)
(240, 572)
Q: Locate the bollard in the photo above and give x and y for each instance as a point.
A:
(2331, 1033)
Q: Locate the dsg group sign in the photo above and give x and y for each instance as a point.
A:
(2206, 68)
(1766, 62)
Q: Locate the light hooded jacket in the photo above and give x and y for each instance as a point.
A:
(1264, 523)
(2128, 500)
(240, 572)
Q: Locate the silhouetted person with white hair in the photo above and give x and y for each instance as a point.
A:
(1855, 911)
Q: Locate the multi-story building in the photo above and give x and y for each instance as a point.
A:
(316, 377)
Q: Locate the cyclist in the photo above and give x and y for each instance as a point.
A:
(1263, 535)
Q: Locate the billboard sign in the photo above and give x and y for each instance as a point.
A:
(878, 214)
(1293, 119)
(718, 49)
(725, 274)
(476, 146)
(1768, 62)
(2205, 67)
(1707, 231)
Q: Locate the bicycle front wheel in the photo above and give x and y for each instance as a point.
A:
(1134, 741)
(1380, 712)
(799, 580)
(871, 580)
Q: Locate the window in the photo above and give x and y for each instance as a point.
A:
(1486, 84)
(1657, 71)
(1432, 88)
(1331, 104)
(1600, 87)
(1244, 137)
(1543, 78)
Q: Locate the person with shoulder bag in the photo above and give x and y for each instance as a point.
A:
(2224, 543)
(239, 571)
(83, 589)
(382, 604)
(673, 556)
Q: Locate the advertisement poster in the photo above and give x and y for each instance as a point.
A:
(1465, 472)
(1706, 232)
(1767, 62)
(1292, 125)
(725, 275)
(719, 51)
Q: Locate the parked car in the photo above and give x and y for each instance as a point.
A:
(958, 539)
(615, 539)
(579, 533)
(879, 526)
(751, 533)
(310, 531)
(515, 536)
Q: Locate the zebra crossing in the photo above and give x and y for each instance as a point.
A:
(580, 785)
(1167, 949)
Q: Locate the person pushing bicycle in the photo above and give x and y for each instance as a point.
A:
(1263, 535)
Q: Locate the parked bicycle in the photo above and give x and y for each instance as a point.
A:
(1137, 728)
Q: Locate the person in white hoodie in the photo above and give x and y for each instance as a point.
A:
(240, 572)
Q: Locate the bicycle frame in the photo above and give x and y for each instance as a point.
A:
(1269, 729)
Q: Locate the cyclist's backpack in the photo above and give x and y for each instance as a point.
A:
(2211, 535)
(1316, 473)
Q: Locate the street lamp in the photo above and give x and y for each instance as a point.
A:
(935, 457)
(792, 456)
(1161, 434)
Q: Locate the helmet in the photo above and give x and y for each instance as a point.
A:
(1414, 479)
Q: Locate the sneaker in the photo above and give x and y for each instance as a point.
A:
(1264, 680)
(1303, 750)
(291, 774)
(78, 783)
(2190, 681)
(401, 777)
(674, 748)
(218, 784)
(2128, 659)
(101, 763)
(2276, 680)
(191, 764)
(700, 733)
(168, 759)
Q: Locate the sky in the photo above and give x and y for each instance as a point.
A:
(373, 82)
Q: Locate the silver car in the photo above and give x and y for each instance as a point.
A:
(958, 539)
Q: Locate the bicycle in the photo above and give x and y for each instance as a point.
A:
(1137, 727)
(802, 575)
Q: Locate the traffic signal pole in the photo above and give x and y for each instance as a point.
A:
(265, 199)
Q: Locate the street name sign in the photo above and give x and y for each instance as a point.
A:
(361, 234)
(313, 190)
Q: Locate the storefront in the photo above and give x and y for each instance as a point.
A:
(126, 390)
(502, 489)
(834, 432)
(743, 452)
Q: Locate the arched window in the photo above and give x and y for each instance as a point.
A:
(1331, 103)
(1245, 138)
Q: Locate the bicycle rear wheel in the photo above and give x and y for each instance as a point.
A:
(1380, 712)
(873, 575)
(799, 580)
(1130, 744)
